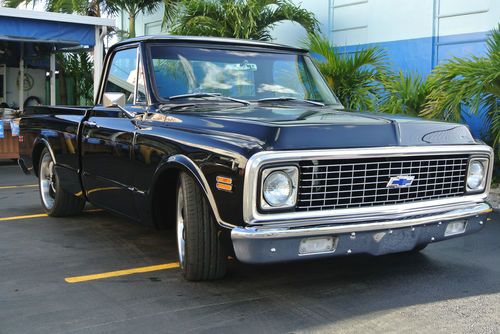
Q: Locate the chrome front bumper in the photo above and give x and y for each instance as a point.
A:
(277, 242)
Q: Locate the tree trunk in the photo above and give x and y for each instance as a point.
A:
(131, 26)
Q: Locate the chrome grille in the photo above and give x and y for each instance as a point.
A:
(341, 184)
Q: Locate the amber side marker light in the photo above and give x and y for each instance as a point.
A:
(224, 183)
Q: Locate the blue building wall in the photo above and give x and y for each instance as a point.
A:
(417, 34)
(420, 55)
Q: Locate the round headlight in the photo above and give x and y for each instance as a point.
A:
(278, 188)
(475, 175)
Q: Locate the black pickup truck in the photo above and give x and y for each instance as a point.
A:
(242, 147)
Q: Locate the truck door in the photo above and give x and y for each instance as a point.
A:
(108, 139)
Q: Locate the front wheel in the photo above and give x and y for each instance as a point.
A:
(201, 252)
(55, 200)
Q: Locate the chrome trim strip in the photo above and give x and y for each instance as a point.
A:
(252, 216)
(293, 173)
(47, 144)
(484, 182)
(205, 187)
(374, 215)
(267, 232)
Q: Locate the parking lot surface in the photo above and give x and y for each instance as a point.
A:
(100, 273)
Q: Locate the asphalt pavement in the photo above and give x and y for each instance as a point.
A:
(101, 273)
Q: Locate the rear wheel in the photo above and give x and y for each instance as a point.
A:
(55, 200)
(201, 253)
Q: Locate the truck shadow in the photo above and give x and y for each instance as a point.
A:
(301, 295)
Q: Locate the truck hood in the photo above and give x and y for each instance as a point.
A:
(287, 128)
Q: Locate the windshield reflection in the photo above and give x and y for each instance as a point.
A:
(240, 74)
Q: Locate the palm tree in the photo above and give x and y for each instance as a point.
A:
(355, 78)
(248, 19)
(472, 83)
(132, 8)
(404, 94)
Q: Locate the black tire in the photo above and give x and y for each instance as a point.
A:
(56, 201)
(201, 253)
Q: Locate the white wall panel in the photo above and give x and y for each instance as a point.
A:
(353, 16)
(451, 7)
(392, 20)
(466, 16)
(340, 3)
(350, 37)
(384, 20)
(464, 24)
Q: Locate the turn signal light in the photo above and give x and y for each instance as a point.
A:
(224, 183)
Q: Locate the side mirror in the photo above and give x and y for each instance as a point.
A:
(112, 100)
(117, 100)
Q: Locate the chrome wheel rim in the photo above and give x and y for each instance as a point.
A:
(181, 240)
(47, 181)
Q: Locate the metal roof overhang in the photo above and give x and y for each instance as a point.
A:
(61, 30)
(28, 35)
(37, 31)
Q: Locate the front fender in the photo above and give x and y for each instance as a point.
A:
(185, 164)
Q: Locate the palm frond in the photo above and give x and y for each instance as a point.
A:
(457, 83)
(404, 94)
(493, 42)
(469, 85)
(170, 12)
(248, 19)
(14, 3)
(283, 10)
(354, 77)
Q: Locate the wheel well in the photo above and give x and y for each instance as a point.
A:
(164, 198)
(37, 152)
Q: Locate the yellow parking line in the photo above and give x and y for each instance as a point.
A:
(77, 279)
(93, 210)
(41, 215)
(22, 186)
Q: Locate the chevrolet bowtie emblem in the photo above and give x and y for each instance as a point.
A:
(401, 181)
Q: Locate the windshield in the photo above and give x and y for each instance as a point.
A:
(239, 74)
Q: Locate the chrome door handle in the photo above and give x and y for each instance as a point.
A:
(90, 124)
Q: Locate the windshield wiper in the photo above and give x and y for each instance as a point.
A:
(176, 106)
(202, 95)
(289, 98)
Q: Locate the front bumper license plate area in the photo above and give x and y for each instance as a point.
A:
(379, 242)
